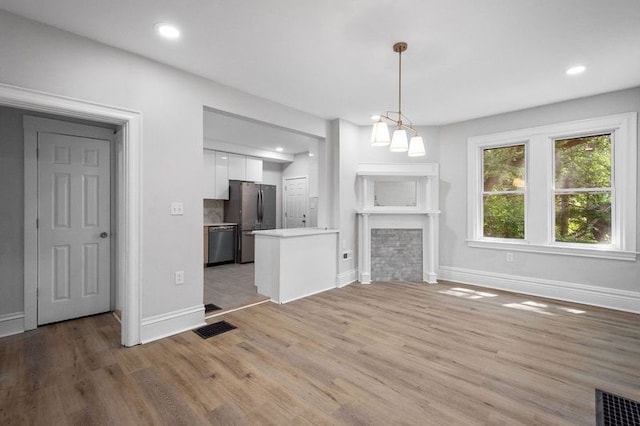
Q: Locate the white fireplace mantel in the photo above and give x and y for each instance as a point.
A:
(423, 214)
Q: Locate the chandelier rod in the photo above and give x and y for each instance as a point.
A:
(400, 86)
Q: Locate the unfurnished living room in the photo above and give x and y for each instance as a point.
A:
(332, 212)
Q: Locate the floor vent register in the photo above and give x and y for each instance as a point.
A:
(615, 410)
(214, 329)
(210, 307)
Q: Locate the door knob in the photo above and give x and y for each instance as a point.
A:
(104, 235)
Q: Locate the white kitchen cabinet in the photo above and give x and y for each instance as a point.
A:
(254, 170)
(222, 176)
(237, 167)
(246, 168)
(209, 166)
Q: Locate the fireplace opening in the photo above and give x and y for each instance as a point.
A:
(396, 255)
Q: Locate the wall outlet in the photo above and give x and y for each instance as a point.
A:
(509, 257)
(177, 209)
(179, 277)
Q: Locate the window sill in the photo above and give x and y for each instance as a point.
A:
(601, 253)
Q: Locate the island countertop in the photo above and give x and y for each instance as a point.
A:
(294, 232)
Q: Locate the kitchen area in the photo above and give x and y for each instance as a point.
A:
(266, 184)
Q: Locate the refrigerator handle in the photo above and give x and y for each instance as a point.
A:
(261, 206)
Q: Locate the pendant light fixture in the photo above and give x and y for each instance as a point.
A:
(399, 142)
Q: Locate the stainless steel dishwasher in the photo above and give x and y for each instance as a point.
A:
(222, 244)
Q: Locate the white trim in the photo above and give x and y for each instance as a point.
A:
(170, 323)
(397, 169)
(345, 278)
(131, 228)
(621, 300)
(11, 324)
(539, 210)
(239, 308)
(305, 295)
(568, 250)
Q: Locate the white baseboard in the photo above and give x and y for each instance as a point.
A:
(165, 325)
(430, 278)
(11, 324)
(622, 300)
(304, 295)
(346, 278)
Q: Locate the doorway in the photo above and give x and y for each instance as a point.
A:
(128, 175)
(74, 256)
(295, 205)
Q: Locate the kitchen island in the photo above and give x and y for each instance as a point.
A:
(294, 263)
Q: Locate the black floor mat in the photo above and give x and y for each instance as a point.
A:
(210, 307)
(214, 329)
(615, 410)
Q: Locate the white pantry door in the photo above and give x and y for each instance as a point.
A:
(295, 209)
(73, 227)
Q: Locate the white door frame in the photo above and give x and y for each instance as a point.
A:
(284, 197)
(129, 228)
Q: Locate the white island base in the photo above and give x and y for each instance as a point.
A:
(294, 263)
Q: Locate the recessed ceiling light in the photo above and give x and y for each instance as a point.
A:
(279, 149)
(311, 154)
(167, 30)
(575, 70)
(375, 117)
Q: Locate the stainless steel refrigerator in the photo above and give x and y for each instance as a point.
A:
(253, 207)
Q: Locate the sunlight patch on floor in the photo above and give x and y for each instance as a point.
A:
(467, 293)
(541, 308)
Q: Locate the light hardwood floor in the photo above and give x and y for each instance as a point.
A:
(386, 353)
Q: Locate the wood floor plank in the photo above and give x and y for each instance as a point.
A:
(386, 353)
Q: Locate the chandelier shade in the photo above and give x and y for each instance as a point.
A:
(416, 147)
(399, 142)
(380, 134)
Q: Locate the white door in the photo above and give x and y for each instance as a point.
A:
(295, 209)
(73, 227)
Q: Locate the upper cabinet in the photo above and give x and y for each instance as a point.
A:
(220, 167)
(245, 168)
(209, 166)
(237, 167)
(254, 170)
(222, 175)
(216, 178)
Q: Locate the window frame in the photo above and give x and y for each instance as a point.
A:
(612, 190)
(540, 187)
(482, 192)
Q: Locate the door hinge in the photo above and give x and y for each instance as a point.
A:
(37, 223)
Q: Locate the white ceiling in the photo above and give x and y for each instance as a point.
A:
(333, 58)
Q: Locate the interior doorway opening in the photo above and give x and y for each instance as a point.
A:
(127, 250)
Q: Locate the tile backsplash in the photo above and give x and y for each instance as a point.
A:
(213, 211)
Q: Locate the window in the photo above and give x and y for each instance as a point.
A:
(503, 175)
(567, 188)
(582, 187)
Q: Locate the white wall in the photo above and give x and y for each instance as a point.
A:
(454, 252)
(40, 57)
(272, 175)
(11, 211)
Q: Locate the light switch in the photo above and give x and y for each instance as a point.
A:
(177, 209)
